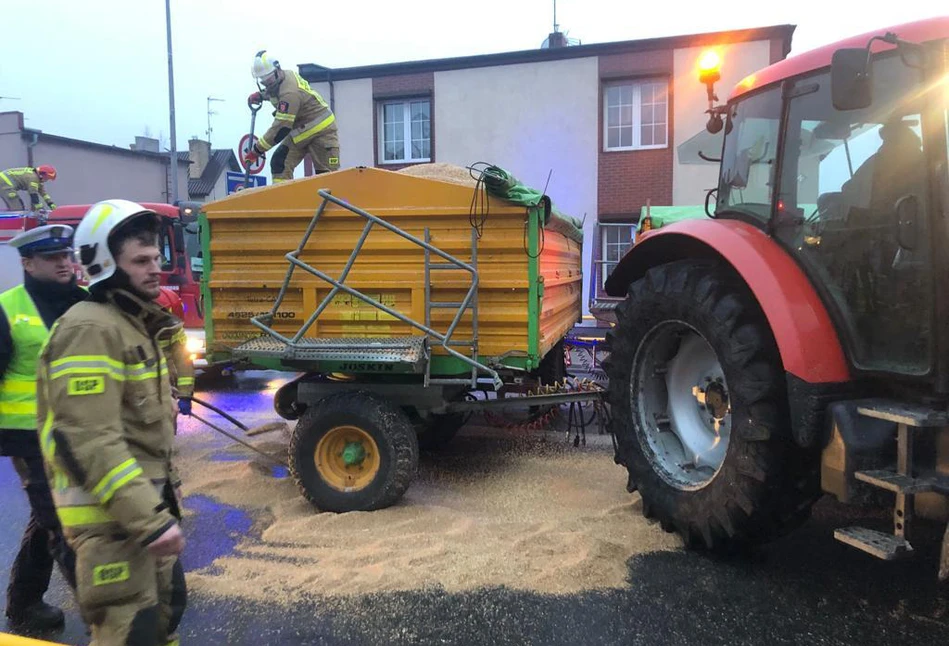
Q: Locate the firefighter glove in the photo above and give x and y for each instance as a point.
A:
(255, 99)
(184, 405)
(252, 155)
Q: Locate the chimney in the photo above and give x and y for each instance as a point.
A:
(199, 152)
(556, 39)
(145, 144)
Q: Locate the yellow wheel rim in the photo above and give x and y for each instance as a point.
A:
(347, 458)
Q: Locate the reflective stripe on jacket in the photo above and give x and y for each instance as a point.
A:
(18, 383)
(175, 348)
(301, 113)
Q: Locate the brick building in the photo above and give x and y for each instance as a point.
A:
(613, 125)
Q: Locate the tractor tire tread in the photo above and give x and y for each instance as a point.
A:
(766, 484)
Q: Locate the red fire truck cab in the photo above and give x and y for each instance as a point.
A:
(182, 262)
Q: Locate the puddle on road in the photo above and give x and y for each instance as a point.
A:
(213, 530)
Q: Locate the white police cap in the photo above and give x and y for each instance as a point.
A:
(47, 239)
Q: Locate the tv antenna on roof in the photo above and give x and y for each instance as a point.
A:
(210, 112)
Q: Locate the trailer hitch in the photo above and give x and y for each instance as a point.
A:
(250, 432)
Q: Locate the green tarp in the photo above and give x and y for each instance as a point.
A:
(665, 215)
(502, 184)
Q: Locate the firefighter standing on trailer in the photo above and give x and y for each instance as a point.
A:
(29, 180)
(27, 312)
(107, 430)
(303, 121)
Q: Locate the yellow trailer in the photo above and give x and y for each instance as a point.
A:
(396, 296)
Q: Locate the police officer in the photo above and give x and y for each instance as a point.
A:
(28, 312)
(303, 121)
(29, 180)
(107, 429)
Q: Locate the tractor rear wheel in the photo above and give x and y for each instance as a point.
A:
(699, 409)
(353, 452)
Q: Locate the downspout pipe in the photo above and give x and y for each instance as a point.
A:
(29, 150)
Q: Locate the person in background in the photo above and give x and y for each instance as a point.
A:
(27, 312)
(31, 181)
(303, 121)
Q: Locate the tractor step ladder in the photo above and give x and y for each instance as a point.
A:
(471, 305)
(410, 354)
(905, 481)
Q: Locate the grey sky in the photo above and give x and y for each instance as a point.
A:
(97, 69)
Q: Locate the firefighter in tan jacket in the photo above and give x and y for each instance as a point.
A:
(174, 345)
(106, 416)
(302, 120)
(30, 181)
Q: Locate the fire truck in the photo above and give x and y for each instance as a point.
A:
(181, 268)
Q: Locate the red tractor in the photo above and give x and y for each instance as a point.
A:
(796, 341)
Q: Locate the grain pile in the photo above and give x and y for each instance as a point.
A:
(442, 172)
(491, 511)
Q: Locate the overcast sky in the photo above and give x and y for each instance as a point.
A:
(97, 69)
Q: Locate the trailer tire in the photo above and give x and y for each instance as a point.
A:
(354, 451)
(764, 484)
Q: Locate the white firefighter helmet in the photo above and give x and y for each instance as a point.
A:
(264, 65)
(91, 239)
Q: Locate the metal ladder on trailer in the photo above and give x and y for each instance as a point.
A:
(410, 352)
(471, 305)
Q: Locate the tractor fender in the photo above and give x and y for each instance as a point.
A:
(806, 338)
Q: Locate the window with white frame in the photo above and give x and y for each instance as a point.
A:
(405, 132)
(615, 239)
(635, 115)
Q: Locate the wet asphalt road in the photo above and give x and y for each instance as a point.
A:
(803, 589)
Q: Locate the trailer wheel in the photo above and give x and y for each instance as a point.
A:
(700, 413)
(353, 452)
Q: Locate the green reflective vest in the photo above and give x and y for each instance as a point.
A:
(18, 383)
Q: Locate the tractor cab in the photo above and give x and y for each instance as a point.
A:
(845, 167)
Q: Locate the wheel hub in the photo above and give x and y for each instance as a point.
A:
(683, 404)
(716, 401)
(354, 453)
(347, 458)
(713, 399)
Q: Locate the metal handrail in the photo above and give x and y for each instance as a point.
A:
(338, 286)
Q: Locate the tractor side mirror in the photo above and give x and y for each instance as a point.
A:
(851, 79)
(907, 221)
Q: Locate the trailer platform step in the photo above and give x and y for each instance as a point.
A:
(898, 483)
(879, 544)
(904, 413)
(408, 352)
